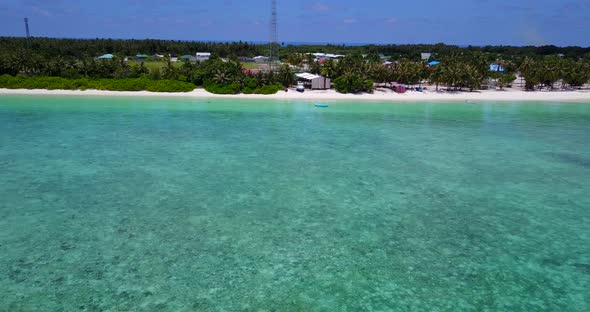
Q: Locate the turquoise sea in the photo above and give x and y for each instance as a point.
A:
(178, 204)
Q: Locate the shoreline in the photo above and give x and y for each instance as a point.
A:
(332, 95)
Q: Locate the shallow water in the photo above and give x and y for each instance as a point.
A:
(162, 204)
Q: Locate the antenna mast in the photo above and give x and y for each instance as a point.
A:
(273, 57)
(28, 33)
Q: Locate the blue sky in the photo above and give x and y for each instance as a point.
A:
(478, 22)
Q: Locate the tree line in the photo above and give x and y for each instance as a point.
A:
(215, 75)
(457, 71)
(79, 48)
(459, 68)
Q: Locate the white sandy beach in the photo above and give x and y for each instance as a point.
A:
(331, 95)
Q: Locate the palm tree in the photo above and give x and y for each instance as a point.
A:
(453, 76)
(473, 77)
(234, 69)
(285, 75)
(576, 74)
(379, 73)
(186, 67)
(261, 79)
(55, 66)
(528, 72)
(315, 68)
(9, 64)
(221, 77)
(169, 71)
(295, 59)
(436, 75)
(328, 69)
(408, 72)
(551, 71)
(481, 63)
(138, 71)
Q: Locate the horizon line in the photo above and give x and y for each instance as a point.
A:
(303, 43)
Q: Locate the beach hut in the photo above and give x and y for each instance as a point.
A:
(106, 57)
(314, 82)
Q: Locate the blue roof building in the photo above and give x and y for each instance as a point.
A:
(497, 68)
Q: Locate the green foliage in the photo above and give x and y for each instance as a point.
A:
(547, 71)
(170, 72)
(329, 69)
(268, 89)
(409, 72)
(234, 88)
(285, 76)
(169, 86)
(459, 68)
(436, 75)
(506, 79)
(155, 74)
(575, 74)
(216, 88)
(139, 70)
(353, 83)
(369, 85)
(295, 58)
(215, 71)
(79, 48)
(127, 84)
(94, 47)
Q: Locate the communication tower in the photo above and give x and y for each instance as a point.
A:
(28, 33)
(273, 57)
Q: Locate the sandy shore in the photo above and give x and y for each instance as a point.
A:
(329, 95)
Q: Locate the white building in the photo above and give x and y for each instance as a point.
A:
(326, 56)
(261, 59)
(314, 81)
(203, 56)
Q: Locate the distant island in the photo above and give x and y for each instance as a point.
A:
(377, 71)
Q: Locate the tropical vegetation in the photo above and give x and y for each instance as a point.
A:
(127, 84)
(363, 68)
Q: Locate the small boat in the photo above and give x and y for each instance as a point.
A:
(320, 105)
